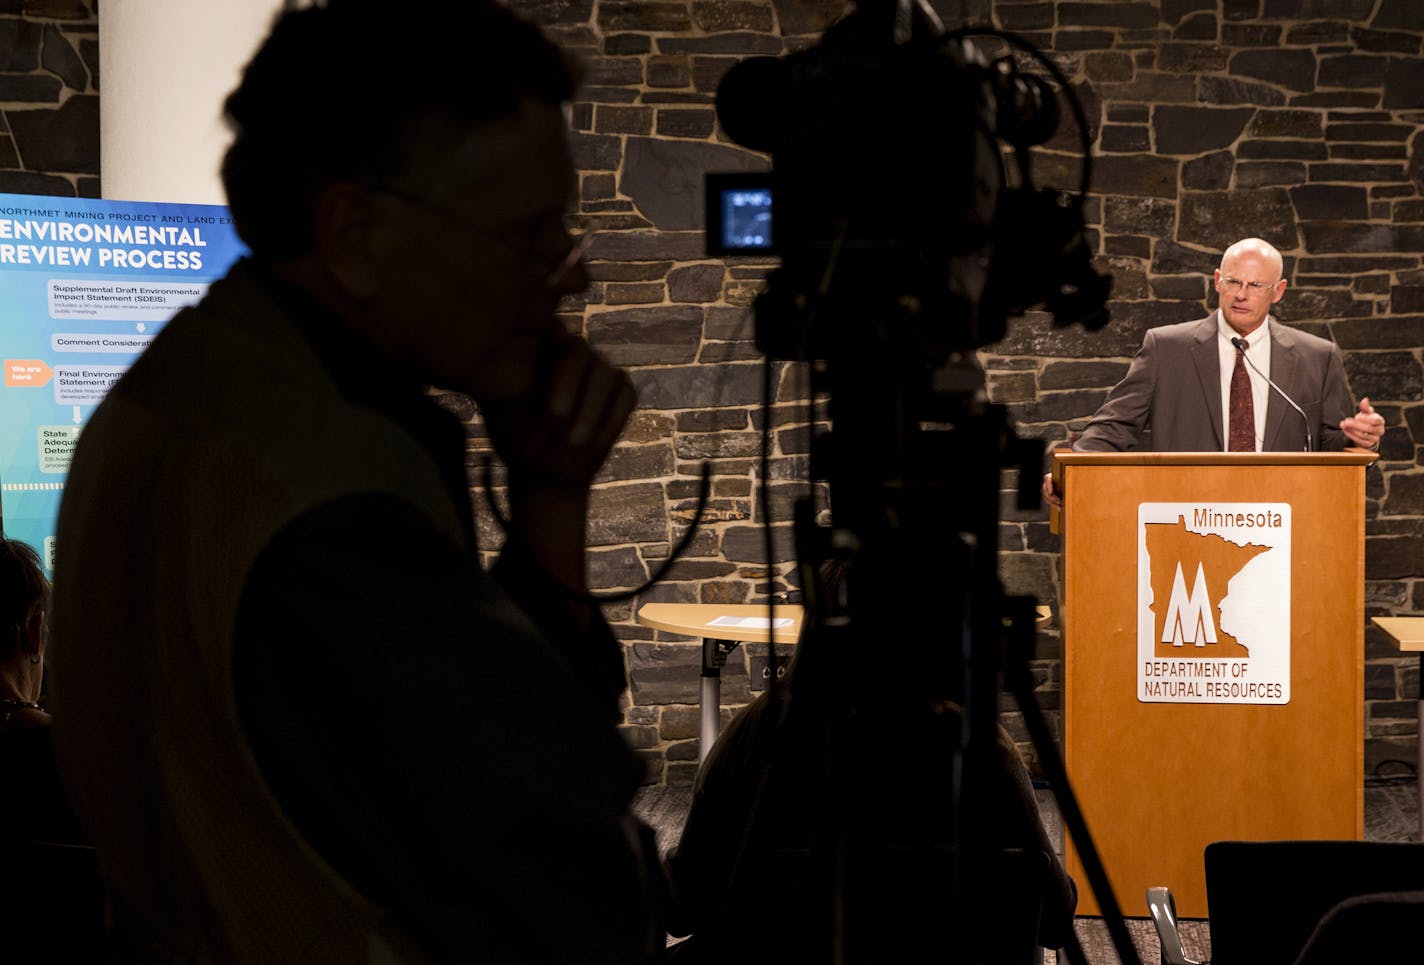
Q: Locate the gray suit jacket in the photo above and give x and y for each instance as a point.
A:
(1173, 387)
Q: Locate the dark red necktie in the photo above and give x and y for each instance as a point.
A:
(1243, 415)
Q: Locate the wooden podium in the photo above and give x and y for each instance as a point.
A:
(1173, 744)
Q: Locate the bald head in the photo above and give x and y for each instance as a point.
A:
(1262, 250)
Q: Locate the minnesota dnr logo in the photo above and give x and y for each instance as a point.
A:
(1213, 603)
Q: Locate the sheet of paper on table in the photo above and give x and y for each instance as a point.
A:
(752, 623)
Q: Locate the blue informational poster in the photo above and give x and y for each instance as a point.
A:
(84, 287)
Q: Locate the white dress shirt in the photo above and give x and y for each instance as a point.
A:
(1259, 351)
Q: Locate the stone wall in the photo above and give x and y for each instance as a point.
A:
(1295, 120)
(49, 97)
(1298, 120)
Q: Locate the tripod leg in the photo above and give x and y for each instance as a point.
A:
(1019, 682)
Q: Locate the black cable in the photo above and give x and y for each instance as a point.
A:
(598, 599)
(773, 691)
(1058, 76)
(768, 542)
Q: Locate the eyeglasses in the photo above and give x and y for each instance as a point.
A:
(526, 248)
(1253, 288)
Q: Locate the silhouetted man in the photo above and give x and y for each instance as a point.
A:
(301, 722)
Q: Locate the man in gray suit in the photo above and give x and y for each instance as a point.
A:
(1179, 383)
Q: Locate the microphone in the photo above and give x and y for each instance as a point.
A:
(1240, 346)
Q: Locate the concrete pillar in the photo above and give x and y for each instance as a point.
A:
(165, 67)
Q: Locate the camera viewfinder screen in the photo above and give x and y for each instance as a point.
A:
(746, 219)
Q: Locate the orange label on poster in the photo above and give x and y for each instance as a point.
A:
(27, 372)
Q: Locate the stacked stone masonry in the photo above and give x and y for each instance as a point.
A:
(1301, 121)
(49, 97)
(1296, 120)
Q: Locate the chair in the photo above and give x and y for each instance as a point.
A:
(1367, 928)
(1294, 901)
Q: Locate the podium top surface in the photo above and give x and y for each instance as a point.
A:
(1347, 457)
(745, 622)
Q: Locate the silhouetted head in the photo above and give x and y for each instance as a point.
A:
(414, 174)
(348, 90)
(24, 601)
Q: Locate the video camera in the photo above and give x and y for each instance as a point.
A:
(888, 195)
(905, 241)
